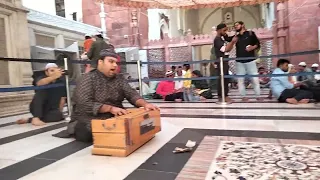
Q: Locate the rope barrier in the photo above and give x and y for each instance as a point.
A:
(30, 88)
(169, 63)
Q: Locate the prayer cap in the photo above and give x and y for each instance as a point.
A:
(51, 65)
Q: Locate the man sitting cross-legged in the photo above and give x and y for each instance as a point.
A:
(47, 104)
(99, 95)
(167, 89)
(285, 91)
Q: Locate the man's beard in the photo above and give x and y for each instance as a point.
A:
(238, 30)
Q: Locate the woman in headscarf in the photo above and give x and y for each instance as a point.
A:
(200, 87)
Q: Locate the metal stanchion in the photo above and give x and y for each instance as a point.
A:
(139, 77)
(67, 89)
(223, 102)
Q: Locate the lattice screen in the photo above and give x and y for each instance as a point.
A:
(156, 55)
(180, 54)
(266, 50)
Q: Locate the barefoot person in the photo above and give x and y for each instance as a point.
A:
(46, 105)
(285, 91)
(99, 95)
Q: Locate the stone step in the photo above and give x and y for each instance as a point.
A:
(15, 103)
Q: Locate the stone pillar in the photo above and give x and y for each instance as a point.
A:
(18, 46)
(59, 42)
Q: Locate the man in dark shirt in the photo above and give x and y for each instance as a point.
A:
(99, 95)
(222, 49)
(246, 46)
(47, 104)
(94, 51)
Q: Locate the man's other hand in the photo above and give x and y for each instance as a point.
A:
(118, 111)
(150, 107)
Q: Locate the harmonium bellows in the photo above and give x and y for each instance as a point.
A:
(122, 135)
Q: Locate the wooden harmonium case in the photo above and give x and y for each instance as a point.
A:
(122, 135)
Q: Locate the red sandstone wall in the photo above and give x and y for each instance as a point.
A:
(303, 28)
(118, 22)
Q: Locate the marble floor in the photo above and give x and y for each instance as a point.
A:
(31, 153)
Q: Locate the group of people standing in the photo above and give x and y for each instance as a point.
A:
(247, 44)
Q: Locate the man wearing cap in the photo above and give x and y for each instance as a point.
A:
(222, 49)
(167, 89)
(95, 49)
(308, 80)
(314, 68)
(47, 104)
(99, 95)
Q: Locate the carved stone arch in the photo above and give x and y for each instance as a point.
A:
(206, 19)
(257, 22)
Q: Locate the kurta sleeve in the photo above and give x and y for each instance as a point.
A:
(129, 93)
(84, 96)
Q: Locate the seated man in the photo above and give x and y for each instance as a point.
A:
(99, 95)
(47, 104)
(167, 91)
(285, 91)
(308, 80)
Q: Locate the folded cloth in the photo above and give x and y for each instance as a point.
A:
(68, 133)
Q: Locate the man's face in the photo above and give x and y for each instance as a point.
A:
(108, 66)
(238, 27)
(314, 69)
(223, 31)
(284, 67)
(261, 70)
(179, 71)
(51, 71)
(170, 76)
(301, 68)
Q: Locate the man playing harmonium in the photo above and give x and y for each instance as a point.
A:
(99, 95)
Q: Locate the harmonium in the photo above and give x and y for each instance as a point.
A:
(122, 135)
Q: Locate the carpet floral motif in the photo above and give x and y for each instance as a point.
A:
(247, 160)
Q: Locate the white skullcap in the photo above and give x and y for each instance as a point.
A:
(89, 35)
(290, 65)
(315, 65)
(302, 64)
(97, 33)
(169, 73)
(51, 65)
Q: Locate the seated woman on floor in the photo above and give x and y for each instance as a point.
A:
(200, 88)
(47, 104)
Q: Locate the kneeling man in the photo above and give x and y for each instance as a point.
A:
(284, 90)
(99, 95)
(47, 104)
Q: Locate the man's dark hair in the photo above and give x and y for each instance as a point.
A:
(179, 67)
(88, 37)
(100, 36)
(282, 61)
(187, 66)
(173, 67)
(239, 22)
(221, 26)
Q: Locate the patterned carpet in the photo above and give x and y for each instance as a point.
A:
(252, 159)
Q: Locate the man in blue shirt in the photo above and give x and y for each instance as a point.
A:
(285, 91)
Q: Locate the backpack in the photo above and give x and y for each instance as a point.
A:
(257, 52)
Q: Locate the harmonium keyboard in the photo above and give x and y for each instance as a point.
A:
(122, 135)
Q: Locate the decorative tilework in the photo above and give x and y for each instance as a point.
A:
(253, 158)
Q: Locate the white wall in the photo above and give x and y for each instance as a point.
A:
(73, 6)
(48, 6)
(270, 15)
